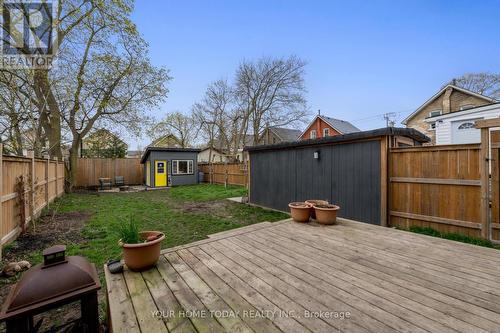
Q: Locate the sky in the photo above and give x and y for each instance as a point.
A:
(364, 58)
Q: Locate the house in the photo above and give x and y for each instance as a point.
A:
(213, 155)
(166, 141)
(447, 100)
(133, 154)
(323, 126)
(458, 127)
(170, 166)
(103, 143)
(273, 134)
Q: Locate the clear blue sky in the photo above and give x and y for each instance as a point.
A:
(364, 58)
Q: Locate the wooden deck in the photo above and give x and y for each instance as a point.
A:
(292, 277)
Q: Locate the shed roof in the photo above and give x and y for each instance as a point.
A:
(150, 149)
(386, 131)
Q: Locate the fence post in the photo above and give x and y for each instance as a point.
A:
(1, 194)
(485, 172)
(31, 155)
(47, 166)
(225, 176)
(57, 175)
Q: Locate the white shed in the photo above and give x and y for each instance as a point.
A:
(458, 127)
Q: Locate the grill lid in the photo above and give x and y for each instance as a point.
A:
(58, 278)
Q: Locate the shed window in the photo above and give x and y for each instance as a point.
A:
(182, 167)
(313, 134)
(326, 132)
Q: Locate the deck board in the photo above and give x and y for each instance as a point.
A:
(273, 277)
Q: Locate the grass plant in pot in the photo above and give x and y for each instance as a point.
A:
(141, 249)
(314, 202)
(326, 214)
(300, 211)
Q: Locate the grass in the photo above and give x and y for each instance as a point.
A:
(156, 210)
(455, 237)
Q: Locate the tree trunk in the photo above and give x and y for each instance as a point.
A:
(51, 122)
(71, 167)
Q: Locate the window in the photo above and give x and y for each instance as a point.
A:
(466, 107)
(467, 125)
(435, 113)
(313, 134)
(326, 132)
(432, 126)
(182, 167)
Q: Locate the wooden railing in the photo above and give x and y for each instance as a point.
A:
(437, 187)
(225, 173)
(43, 182)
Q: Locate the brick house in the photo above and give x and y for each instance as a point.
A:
(447, 100)
(323, 126)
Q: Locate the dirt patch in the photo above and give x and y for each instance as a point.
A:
(217, 207)
(50, 229)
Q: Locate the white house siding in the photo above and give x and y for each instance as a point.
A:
(446, 125)
(217, 157)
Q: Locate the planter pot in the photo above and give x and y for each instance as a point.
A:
(142, 256)
(326, 214)
(300, 211)
(314, 203)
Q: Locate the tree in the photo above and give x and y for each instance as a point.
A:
(271, 91)
(487, 84)
(103, 144)
(177, 124)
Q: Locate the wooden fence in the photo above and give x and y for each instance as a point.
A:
(44, 181)
(437, 187)
(89, 170)
(225, 173)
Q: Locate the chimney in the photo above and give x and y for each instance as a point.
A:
(446, 100)
(319, 112)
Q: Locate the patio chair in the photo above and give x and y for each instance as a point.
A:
(119, 181)
(105, 182)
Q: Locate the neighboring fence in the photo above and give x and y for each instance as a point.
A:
(437, 187)
(44, 181)
(89, 170)
(225, 173)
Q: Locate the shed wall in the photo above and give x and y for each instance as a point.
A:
(168, 156)
(346, 174)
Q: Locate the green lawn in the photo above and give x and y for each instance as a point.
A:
(185, 214)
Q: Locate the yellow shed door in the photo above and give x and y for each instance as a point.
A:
(160, 173)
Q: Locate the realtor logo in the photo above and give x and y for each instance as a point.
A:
(29, 34)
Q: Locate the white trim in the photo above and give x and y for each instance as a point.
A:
(464, 112)
(326, 129)
(414, 113)
(315, 136)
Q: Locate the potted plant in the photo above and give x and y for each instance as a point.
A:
(314, 202)
(326, 214)
(300, 211)
(141, 249)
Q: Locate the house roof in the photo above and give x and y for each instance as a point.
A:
(386, 131)
(430, 100)
(161, 141)
(341, 126)
(213, 148)
(150, 149)
(286, 134)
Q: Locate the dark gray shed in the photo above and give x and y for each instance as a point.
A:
(170, 166)
(349, 170)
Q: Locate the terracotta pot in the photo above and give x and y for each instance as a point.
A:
(326, 214)
(313, 203)
(300, 211)
(141, 256)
